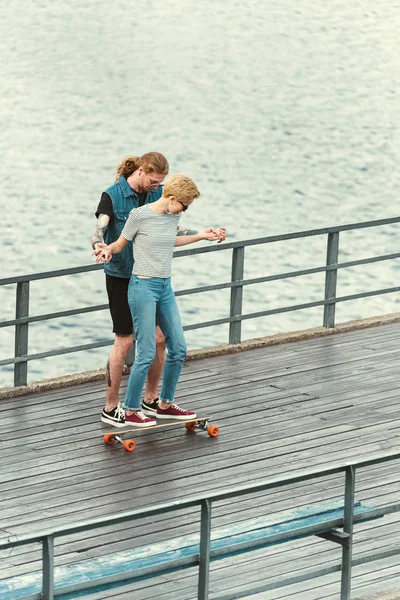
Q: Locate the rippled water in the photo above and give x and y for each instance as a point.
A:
(285, 114)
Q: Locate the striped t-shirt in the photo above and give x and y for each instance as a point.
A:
(153, 235)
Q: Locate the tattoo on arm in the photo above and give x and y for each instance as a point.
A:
(101, 226)
(185, 231)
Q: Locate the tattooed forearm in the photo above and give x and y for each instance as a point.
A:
(185, 231)
(101, 226)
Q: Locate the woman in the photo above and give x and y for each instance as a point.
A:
(153, 230)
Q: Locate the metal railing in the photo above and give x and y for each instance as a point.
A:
(344, 538)
(236, 285)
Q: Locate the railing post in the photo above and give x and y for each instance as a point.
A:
(332, 256)
(205, 542)
(235, 327)
(48, 568)
(21, 333)
(347, 551)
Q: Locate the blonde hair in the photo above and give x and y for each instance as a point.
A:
(182, 188)
(151, 162)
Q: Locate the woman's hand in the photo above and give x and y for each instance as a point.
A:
(213, 235)
(98, 247)
(221, 232)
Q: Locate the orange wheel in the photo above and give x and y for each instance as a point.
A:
(129, 445)
(213, 431)
(109, 439)
(191, 425)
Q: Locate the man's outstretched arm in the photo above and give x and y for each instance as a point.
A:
(101, 226)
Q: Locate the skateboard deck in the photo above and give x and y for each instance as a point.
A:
(190, 425)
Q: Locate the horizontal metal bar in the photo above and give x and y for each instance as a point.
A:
(276, 311)
(336, 536)
(376, 556)
(214, 248)
(207, 288)
(276, 584)
(46, 317)
(287, 236)
(129, 576)
(263, 313)
(274, 539)
(287, 275)
(271, 483)
(386, 509)
(49, 274)
(272, 585)
(19, 359)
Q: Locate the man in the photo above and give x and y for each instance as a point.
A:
(138, 183)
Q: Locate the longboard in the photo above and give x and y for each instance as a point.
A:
(190, 425)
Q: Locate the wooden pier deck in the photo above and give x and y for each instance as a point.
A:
(280, 409)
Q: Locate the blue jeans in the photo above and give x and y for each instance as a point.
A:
(152, 300)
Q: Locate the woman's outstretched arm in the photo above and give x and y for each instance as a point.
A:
(210, 234)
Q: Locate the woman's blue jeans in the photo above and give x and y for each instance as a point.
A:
(152, 300)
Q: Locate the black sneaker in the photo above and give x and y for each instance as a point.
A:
(115, 417)
(150, 408)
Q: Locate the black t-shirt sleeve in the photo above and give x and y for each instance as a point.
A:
(105, 206)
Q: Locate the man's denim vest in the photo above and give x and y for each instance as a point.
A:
(124, 199)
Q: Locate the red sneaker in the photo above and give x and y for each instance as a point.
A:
(175, 412)
(138, 419)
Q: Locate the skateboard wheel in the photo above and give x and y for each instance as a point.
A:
(213, 431)
(191, 425)
(129, 445)
(109, 439)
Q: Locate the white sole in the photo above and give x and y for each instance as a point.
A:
(130, 424)
(112, 423)
(174, 418)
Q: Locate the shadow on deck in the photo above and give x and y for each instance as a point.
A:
(280, 409)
